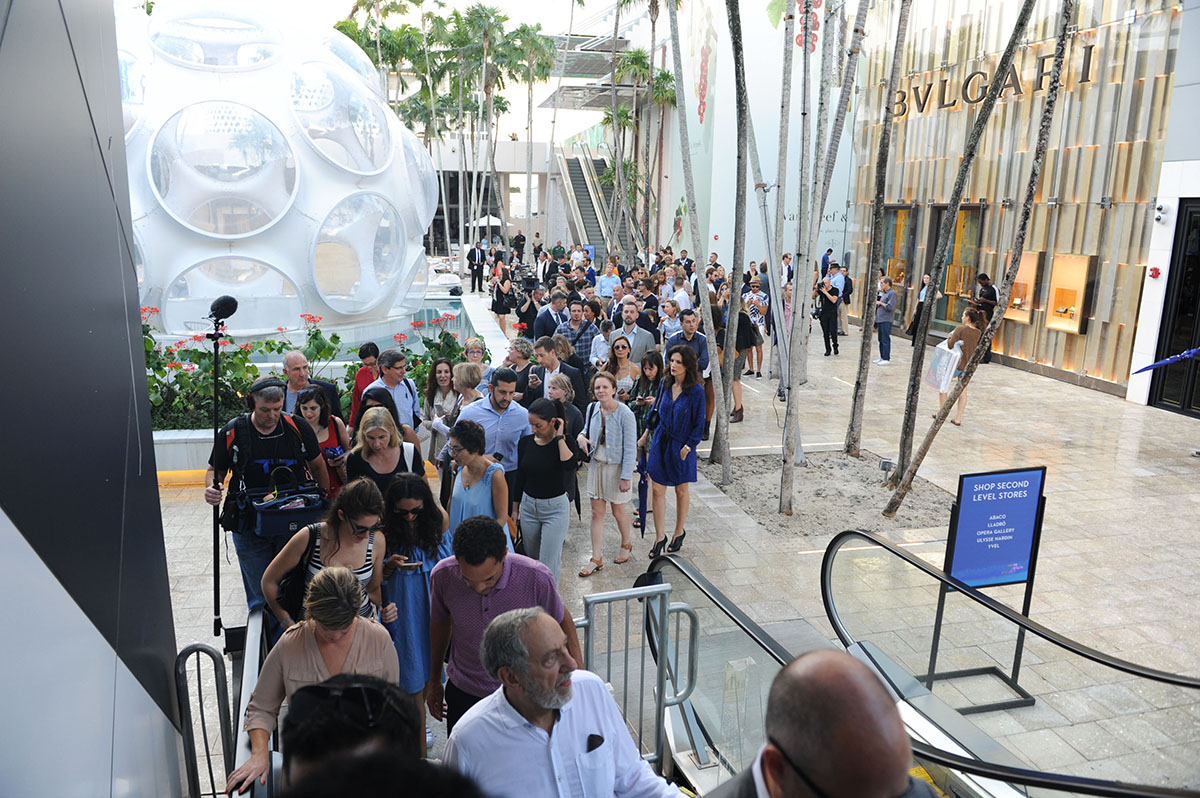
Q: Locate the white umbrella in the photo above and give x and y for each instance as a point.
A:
(486, 221)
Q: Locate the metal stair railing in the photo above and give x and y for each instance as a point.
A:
(183, 694)
(643, 619)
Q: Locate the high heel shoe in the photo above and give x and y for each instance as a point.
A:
(677, 543)
(737, 416)
(657, 548)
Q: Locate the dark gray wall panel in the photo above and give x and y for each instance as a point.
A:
(77, 723)
(84, 492)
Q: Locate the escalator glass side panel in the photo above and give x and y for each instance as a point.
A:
(1105, 719)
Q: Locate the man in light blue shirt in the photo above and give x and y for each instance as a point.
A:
(503, 420)
(836, 278)
(549, 731)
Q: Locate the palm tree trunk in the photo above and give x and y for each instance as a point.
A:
(618, 152)
(646, 139)
(797, 369)
(501, 204)
(858, 402)
(562, 67)
(689, 187)
(462, 177)
(785, 116)
(845, 98)
(1018, 248)
(822, 129)
(434, 122)
(720, 449)
(529, 149)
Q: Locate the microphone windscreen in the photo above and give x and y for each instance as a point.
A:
(223, 307)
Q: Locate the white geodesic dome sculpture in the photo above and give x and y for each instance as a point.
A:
(264, 163)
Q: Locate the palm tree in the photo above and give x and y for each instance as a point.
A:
(798, 335)
(538, 52)
(561, 68)
(376, 11)
(635, 65)
(854, 432)
(720, 447)
(620, 188)
(624, 123)
(689, 187)
(1018, 248)
(652, 10)
(785, 116)
(662, 95)
(486, 24)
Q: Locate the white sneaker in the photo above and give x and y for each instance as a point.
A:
(876, 361)
(885, 362)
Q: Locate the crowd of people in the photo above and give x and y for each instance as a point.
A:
(406, 597)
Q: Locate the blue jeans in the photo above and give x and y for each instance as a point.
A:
(254, 555)
(885, 339)
(544, 528)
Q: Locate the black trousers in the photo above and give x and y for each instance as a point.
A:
(477, 277)
(457, 704)
(829, 330)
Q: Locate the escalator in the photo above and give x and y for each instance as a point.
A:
(588, 212)
(1096, 725)
(598, 167)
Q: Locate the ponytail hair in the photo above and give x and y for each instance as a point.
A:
(547, 409)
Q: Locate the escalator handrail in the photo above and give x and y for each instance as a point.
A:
(1037, 778)
(974, 767)
(756, 632)
(987, 601)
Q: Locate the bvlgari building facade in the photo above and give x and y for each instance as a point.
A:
(1074, 310)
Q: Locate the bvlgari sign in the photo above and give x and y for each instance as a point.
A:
(946, 93)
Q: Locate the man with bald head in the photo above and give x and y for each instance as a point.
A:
(832, 732)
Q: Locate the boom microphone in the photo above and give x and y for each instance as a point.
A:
(223, 307)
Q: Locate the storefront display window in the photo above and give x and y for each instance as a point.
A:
(1065, 305)
(898, 227)
(962, 264)
(1021, 301)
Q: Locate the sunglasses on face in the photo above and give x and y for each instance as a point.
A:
(474, 351)
(412, 512)
(364, 530)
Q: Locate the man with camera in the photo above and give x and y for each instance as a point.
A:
(530, 299)
(251, 447)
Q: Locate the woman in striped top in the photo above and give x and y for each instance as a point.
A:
(347, 538)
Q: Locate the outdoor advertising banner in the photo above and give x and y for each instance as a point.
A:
(995, 527)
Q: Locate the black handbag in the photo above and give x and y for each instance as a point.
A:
(295, 581)
(652, 418)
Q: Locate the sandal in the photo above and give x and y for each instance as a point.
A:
(585, 571)
(956, 423)
(624, 547)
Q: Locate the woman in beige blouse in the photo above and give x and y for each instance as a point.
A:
(332, 639)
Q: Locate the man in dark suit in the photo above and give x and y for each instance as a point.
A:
(476, 258)
(684, 261)
(832, 730)
(549, 317)
(548, 366)
(295, 367)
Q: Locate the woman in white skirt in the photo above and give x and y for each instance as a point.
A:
(609, 437)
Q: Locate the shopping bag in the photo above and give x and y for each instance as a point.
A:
(942, 365)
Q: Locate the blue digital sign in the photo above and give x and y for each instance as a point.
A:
(996, 527)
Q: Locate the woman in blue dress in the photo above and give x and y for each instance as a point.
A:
(479, 485)
(418, 537)
(672, 453)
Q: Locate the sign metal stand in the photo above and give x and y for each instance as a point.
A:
(987, 560)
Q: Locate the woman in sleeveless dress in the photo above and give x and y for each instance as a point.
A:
(347, 539)
(620, 366)
(479, 485)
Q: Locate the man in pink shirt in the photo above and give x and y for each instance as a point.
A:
(466, 591)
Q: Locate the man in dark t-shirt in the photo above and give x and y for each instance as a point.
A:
(271, 441)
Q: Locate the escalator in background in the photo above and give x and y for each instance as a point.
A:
(881, 602)
(587, 210)
(605, 189)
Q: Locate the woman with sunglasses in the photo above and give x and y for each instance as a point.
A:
(418, 536)
(620, 366)
(332, 640)
(346, 539)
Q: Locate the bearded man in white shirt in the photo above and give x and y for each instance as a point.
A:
(549, 730)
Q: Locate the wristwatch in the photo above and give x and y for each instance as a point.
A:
(558, 438)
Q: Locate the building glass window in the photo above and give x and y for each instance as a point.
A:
(962, 264)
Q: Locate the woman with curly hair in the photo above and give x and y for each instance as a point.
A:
(418, 536)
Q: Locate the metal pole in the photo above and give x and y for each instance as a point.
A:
(215, 335)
